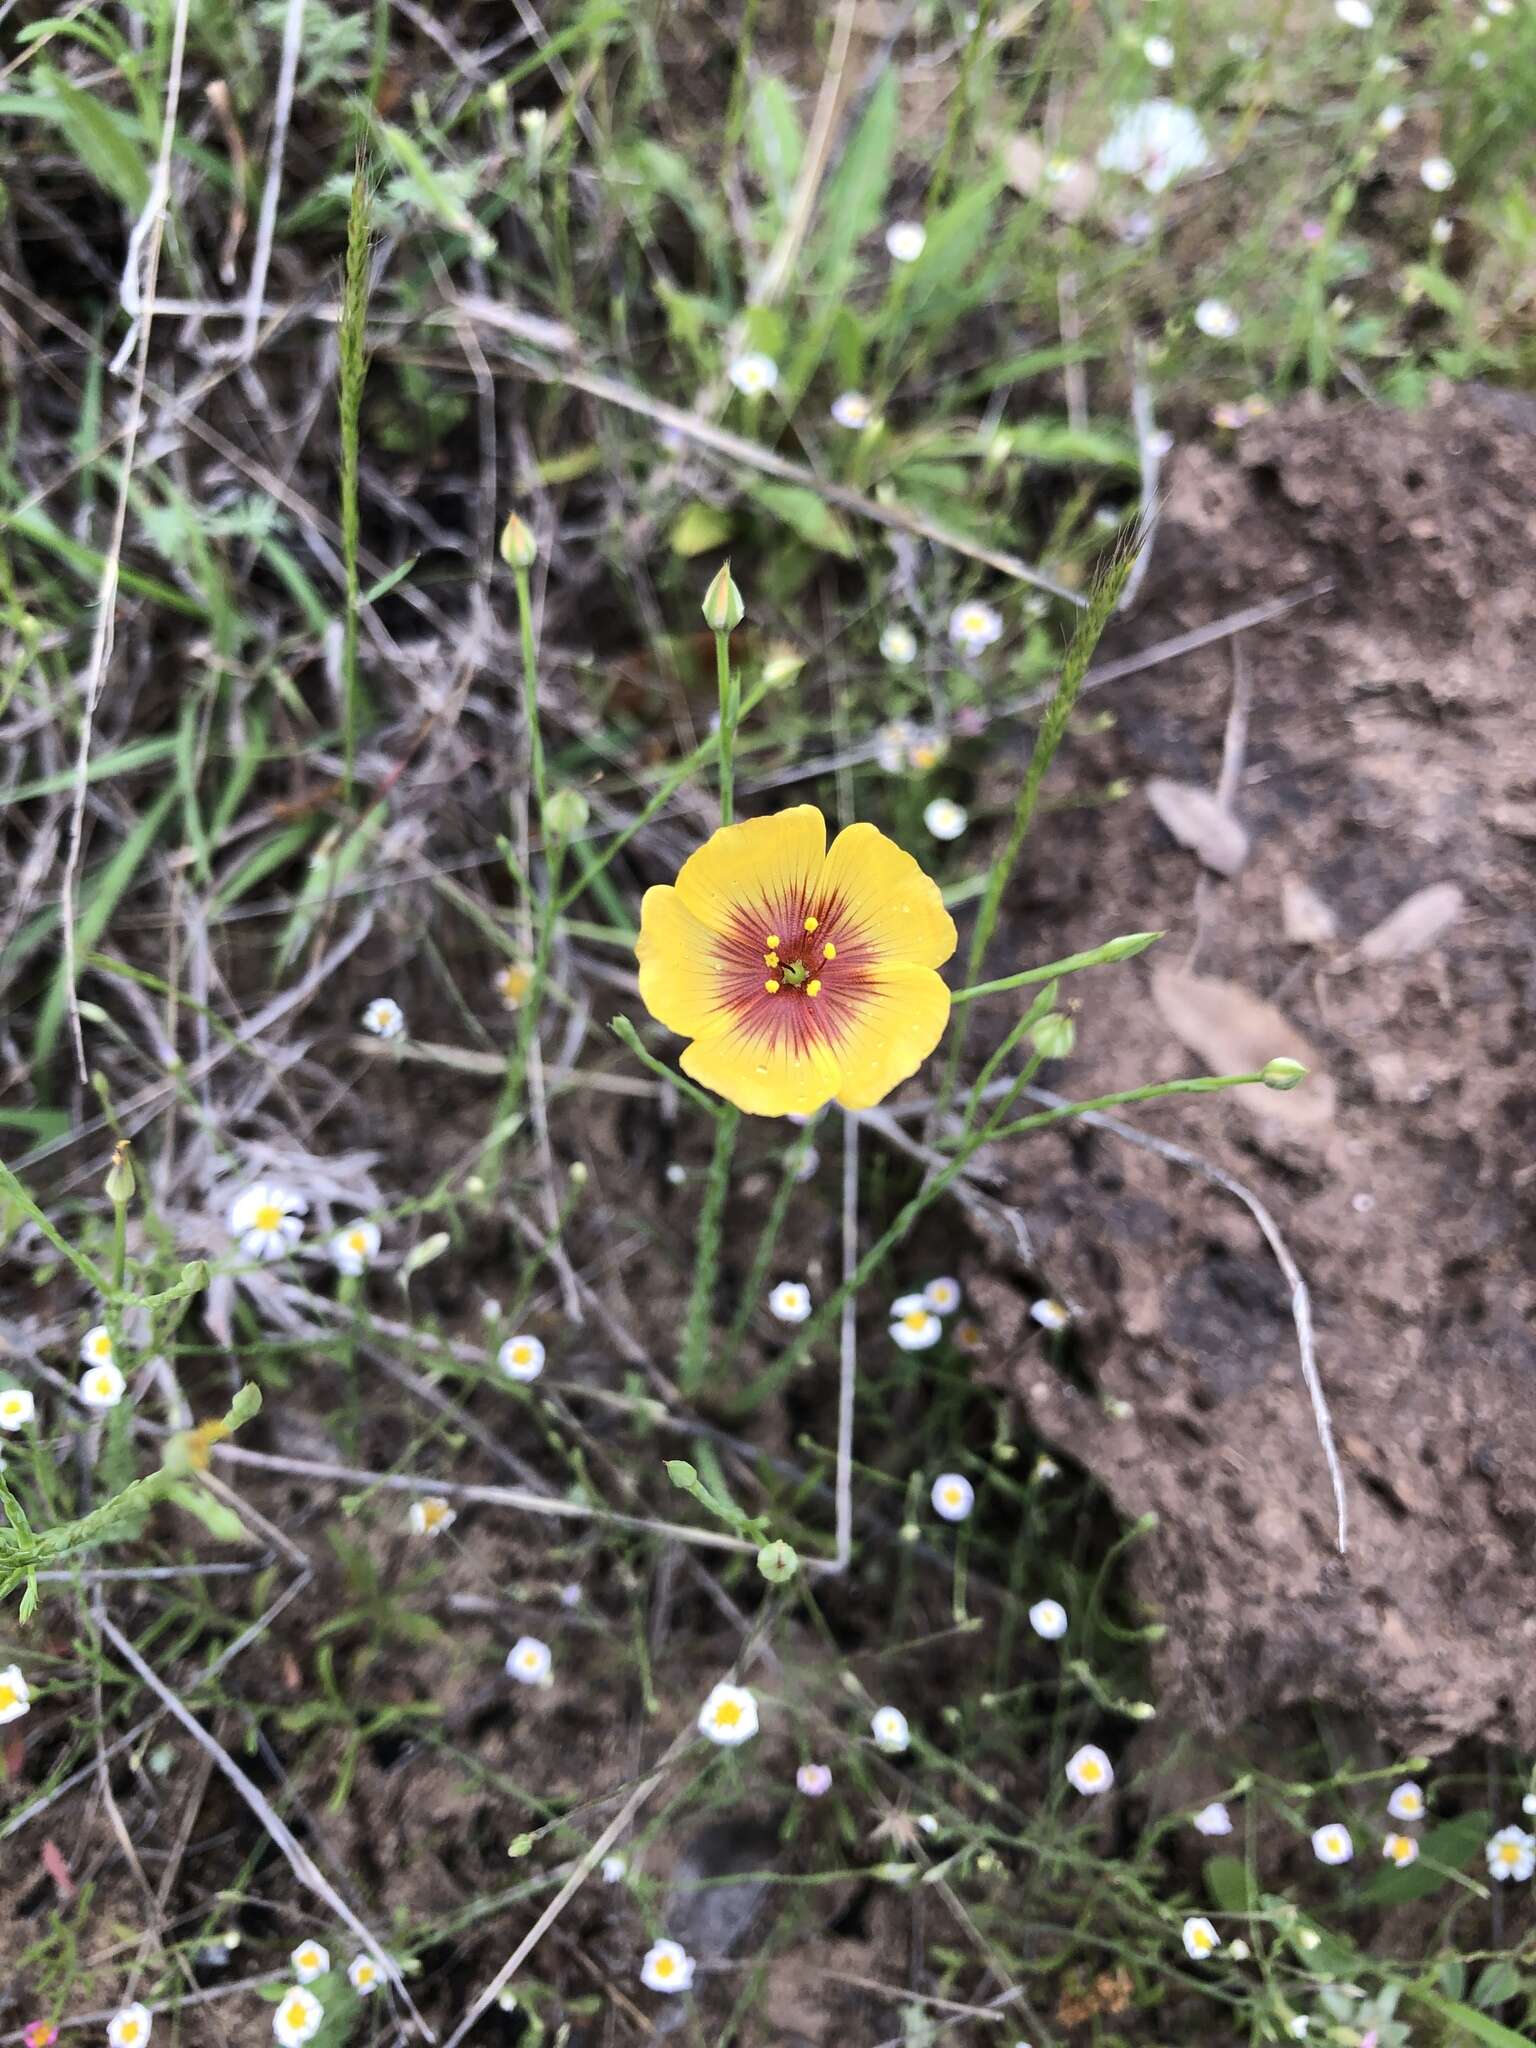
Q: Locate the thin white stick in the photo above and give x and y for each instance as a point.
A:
(106, 594)
(299, 1861)
(266, 225)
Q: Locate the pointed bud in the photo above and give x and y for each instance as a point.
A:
(120, 1181)
(518, 548)
(778, 1563)
(681, 1473)
(1053, 1036)
(723, 608)
(1283, 1074)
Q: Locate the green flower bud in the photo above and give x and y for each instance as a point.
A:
(782, 666)
(520, 1845)
(1283, 1074)
(681, 1473)
(566, 813)
(518, 547)
(120, 1182)
(723, 608)
(778, 1563)
(1054, 1036)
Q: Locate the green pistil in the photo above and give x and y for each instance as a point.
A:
(794, 974)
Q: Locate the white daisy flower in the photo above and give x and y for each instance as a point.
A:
(1353, 13)
(17, 1407)
(1406, 1801)
(310, 1960)
(1528, 1803)
(898, 645)
(102, 1387)
(1217, 319)
(521, 1358)
(667, 1967)
(1401, 1850)
(267, 1221)
(914, 1326)
(1050, 1314)
(1200, 1938)
(355, 1248)
(753, 375)
(729, 1715)
(364, 1975)
(889, 1727)
(1511, 1855)
(1390, 119)
(512, 984)
(1332, 1844)
(942, 1295)
(1213, 1819)
(1441, 230)
(96, 1346)
(131, 2027)
(790, 1301)
(944, 818)
(613, 1869)
(953, 1497)
(891, 744)
(431, 1515)
(905, 239)
(1159, 52)
(296, 2017)
(852, 409)
(1156, 143)
(974, 626)
(384, 1018)
(1048, 1618)
(15, 1700)
(814, 1780)
(1045, 1468)
(1089, 1770)
(529, 1661)
(1437, 173)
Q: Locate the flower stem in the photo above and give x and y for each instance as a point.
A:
(1125, 948)
(351, 343)
(727, 726)
(694, 1363)
(531, 689)
(762, 1258)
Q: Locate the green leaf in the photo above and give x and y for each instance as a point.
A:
(854, 198)
(1054, 441)
(808, 516)
(1478, 2024)
(104, 140)
(1450, 1846)
(698, 528)
(433, 191)
(95, 909)
(1227, 1881)
(1498, 1983)
(1439, 289)
(955, 238)
(222, 1523)
(775, 141)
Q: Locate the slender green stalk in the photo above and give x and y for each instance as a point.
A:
(694, 1363)
(531, 688)
(1040, 1007)
(626, 1033)
(351, 336)
(1053, 726)
(768, 1238)
(727, 727)
(826, 1316)
(1102, 956)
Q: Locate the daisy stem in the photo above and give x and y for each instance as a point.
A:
(694, 1363)
(823, 1320)
(727, 726)
(1053, 726)
(530, 688)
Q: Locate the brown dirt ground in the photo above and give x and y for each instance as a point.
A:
(1390, 748)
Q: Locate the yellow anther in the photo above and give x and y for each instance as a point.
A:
(813, 988)
(774, 939)
(829, 951)
(772, 987)
(811, 923)
(770, 959)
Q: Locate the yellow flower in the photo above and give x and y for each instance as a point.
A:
(800, 972)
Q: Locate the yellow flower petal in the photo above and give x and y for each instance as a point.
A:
(762, 1075)
(679, 974)
(884, 901)
(895, 1026)
(764, 869)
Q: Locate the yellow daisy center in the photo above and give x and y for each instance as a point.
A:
(365, 1973)
(1509, 1852)
(728, 1714)
(104, 1385)
(665, 1965)
(296, 2014)
(914, 1319)
(9, 1696)
(268, 1216)
(129, 2031)
(356, 1242)
(1089, 1770)
(521, 1355)
(952, 1496)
